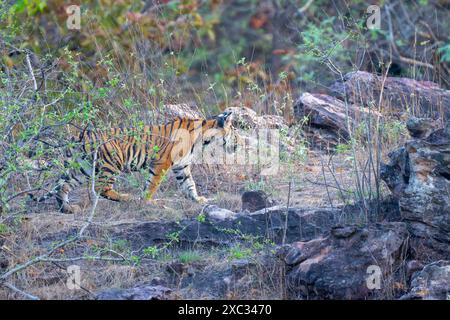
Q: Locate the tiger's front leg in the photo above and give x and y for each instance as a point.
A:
(187, 184)
(105, 186)
(157, 173)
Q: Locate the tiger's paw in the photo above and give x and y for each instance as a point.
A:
(201, 200)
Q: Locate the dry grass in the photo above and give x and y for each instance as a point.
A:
(263, 279)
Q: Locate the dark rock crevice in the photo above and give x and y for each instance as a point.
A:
(417, 175)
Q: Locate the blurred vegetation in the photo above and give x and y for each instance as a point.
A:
(219, 53)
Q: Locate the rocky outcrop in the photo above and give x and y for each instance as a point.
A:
(246, 118)
(418, 174)
(142, 292)
(329, 120)
(172, 111)
(302, 224)
(336, 267)
(422, 98)
(243, 117)
(431, 283)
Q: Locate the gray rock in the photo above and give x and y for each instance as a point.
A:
(246, 118)
(420, 127)
(254, 200)
(418, 174)
(183, 110)
(143, 292)
(302, 224)
(431, 283)
(335, 267)
(328, 118)
(413, 266)
(422, 98)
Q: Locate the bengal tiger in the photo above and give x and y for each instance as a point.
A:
(154, 148)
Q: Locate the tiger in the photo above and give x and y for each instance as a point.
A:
(156, 149)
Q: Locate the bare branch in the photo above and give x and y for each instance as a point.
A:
(305, 7)
(30, 68)
(27, 295)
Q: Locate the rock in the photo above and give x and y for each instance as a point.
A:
(335, 267)
(143, 292)
(246, 118)
(396, 174)
(157, 281)
(418, 174)
(420, 127)
(431, 283)
(254, 200)
(413, 266)
(172, 111)
(422, 98)
(326, 118)
(302, 224)
(213, 212)
(240, 267)
(262, 139)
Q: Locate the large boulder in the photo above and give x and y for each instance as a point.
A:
(431, 283)
(423, 98)
(222, 227)
(418, 174)
(336, 266)
(329, 121)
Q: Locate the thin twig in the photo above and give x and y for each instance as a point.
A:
(30, 68)
(25, 294)
(287, 213)
(305, 7)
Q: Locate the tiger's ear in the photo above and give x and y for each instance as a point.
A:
(224, 119)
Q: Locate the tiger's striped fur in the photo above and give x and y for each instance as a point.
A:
(154, 148)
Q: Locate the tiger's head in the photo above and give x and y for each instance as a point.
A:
(204, 137)
(220, 130)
